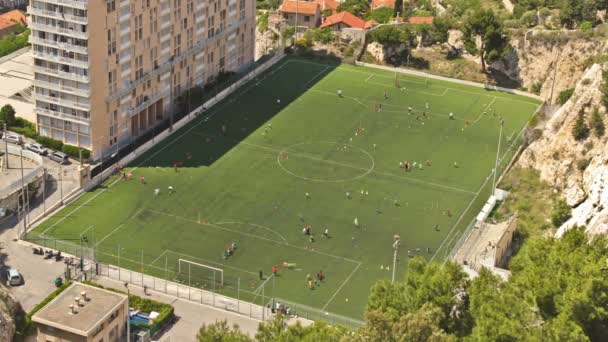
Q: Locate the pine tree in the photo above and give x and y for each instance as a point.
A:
(580, 130)
(597, 124)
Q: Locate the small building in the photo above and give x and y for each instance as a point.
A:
(345, 19)
(301, 13)
(83, 313)
(382, 3)
(328, 5)
(11, 21)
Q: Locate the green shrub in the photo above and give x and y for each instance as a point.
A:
(597, 124)
(7, 115)
(536, 87)
(50, 143)
(582, 164)
(25, 131)
(560, 213)
(73, 151)
(529, 19)
(580, 131)
(586, 26)
(565, 95)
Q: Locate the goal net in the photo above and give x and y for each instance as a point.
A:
(199, 275)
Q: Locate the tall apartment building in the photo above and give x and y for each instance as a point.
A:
(107, 71)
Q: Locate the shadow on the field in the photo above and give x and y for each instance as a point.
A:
(223, 126)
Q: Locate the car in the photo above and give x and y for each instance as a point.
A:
(36, 148)
(13, 278)
(13, 139)
(59, 157)
(4, 212)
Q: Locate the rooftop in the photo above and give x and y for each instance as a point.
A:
(300, 7)
(101, 303)
(11, 18)
(420, 20)
(346, 18)
(382, 3)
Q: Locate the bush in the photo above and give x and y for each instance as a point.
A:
(561, 212)
(582, 164)
(50, 143)
(586, 26)
(597, 124)
(580, 131)
(565, 95)
(73, 151)
(536, 87)
(322, 35)
(7, 115)
(529, 19)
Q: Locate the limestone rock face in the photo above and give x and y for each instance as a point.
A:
(577, 169)
(8, 310)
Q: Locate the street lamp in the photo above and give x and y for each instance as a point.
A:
(128, 313)
(396, 245)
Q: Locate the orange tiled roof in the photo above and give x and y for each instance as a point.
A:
(382, 3)
(301, 7)
(420, 20)
(12, 18)
(346, 18)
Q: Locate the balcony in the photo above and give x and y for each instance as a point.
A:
(134, 111)
(59, 30)
(63, 102)
(61, 59)
(59, 45)
(67, 75)
(64, 116)
(56, 15)
(80, 4)
(63, 88)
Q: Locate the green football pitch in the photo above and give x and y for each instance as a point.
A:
(285, 152)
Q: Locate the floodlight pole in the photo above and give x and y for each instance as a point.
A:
(497, 155)
(396, 249)
(128, 313)
(5, 166)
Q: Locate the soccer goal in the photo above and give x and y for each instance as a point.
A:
(197, 273)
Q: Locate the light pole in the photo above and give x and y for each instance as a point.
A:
(5, 166)
(128, 313)
(395, 249)
(497, 154)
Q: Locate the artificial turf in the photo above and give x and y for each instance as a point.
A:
(257, 170)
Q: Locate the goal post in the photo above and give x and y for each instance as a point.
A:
(200, 271)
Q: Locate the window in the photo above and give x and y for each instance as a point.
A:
(306, 18)
(111, 6)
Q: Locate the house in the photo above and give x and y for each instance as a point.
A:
(301, 13)
(11, 21)
(345, 19)
(83, 313)
(420, 20)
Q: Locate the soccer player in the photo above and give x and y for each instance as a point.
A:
(156, 192)
(426, 105)
(451, 116)
(142, 180)
(170, 189)
(275, 270)
(385, 95)
(339, 92)
(326, 233)
(409, 110)
(356, 222)
(278, 101)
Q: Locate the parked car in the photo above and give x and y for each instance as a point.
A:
(13, 139)
(13, 278)
(36, 148)
(59, 157)
(4, 212)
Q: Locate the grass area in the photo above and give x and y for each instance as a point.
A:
(257, 170)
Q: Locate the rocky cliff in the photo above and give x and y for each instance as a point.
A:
(576, 168)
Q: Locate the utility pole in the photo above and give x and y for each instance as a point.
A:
(61, 183)
(497, 155)
(5, 149)
(23, 192)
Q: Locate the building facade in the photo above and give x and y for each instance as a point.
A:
(108, 71)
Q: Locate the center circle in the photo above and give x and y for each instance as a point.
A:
(339, 150)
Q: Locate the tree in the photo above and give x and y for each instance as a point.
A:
(399, 8)
(580, 131)
(381, 15)
(356, 7)
(440, 28)
(597, 123)
(494, 41)
(7, 115)
(277, 329)
(571, 12)
(560, 213)
(565, 95)
(221, 332)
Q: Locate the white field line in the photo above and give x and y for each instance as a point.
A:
(167, 144)
(408, 89)
(369, 78)
(341, 286)
(316, 76)
(485, 109)
(118, 227)
(413, 180)
(456, 117)
(255, 225)
(251, 235)
(211, 262)
(158, 257)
